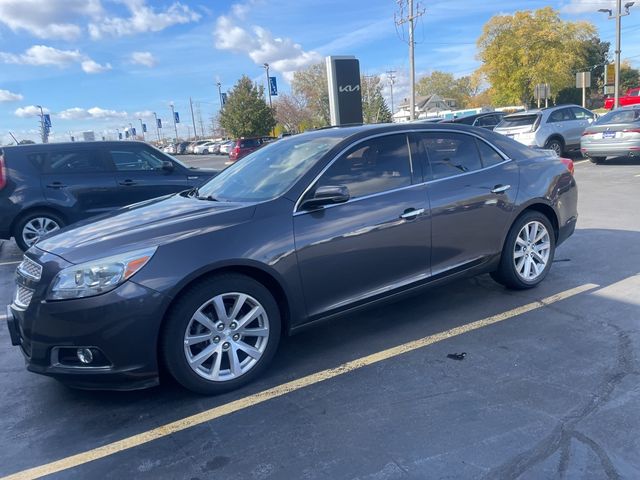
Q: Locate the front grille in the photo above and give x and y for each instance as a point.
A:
(30, 269)
(23, 295)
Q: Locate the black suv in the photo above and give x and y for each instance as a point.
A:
(45, 187)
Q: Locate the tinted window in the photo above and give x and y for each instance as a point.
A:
(619, 116)
(250, 143)
(486, 121)
(488, 155)
(38, 159)
(518, 121)
(373, 166)
(582, 114)
(451, 153)
(74, 161)
(135, 160)
(562, 115)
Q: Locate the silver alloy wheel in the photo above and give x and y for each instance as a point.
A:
(226, 336)
(556, 147)
(36, 228)
(531, 251)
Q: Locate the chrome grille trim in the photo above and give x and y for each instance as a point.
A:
(22, 297)
(30, 269)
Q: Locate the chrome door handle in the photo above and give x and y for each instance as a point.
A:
(411, 214)
(500, 188)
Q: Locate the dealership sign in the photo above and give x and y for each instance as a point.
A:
(345, 100)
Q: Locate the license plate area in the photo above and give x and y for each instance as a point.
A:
(608, 134)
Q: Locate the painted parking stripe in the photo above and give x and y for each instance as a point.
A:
(10, 263)
(283, 389)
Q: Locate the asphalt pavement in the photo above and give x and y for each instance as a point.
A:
(548, 387)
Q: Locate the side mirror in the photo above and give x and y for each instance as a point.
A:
(328, 195)
(168, 166)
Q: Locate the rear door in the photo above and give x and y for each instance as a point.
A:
(140, 176)
(78, 181)
(564, 123)
(472, 193)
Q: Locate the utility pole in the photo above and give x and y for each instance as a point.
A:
(219, 85)
(400, 19)
(44, 135)
(157, 128)
(193, 119)
(392, 80)
(618, 18)
(266, 67)
(173, 114)
(142, 129)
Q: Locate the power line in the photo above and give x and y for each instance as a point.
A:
(410, 18)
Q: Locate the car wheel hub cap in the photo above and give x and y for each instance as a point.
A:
(38, 227)
(226, 336)
(531, 251)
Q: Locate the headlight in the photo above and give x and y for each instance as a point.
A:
(98, 276)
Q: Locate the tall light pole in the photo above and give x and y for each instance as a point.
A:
(142, 129)
(155, 117)
(43, 131)
(266, 67)
(618, 18)
(392, 80)
(173, 114)
(193, 120)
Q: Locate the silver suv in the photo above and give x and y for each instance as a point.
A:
(555, 128)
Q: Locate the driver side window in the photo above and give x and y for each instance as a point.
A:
(373, 166)
(135, 160)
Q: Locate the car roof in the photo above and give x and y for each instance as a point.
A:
(95, 144)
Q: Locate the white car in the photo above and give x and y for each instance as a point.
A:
(169, 149)
(203, 148)
(226, 147)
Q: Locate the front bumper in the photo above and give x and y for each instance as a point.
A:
(123, 325)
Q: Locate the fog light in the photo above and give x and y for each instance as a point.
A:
(85, 355)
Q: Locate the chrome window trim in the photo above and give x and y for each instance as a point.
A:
(405, 132)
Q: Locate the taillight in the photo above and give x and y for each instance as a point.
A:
(631, 130)
(569, 164)
(3, 173)
(588, 133)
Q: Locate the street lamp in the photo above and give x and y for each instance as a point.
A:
(266, 67)
(618, 16)
(173, 114)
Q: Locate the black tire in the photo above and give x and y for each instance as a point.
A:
(28, 217)
(205, 152)
(555, 144)
(597, 160)
(172, 342)
(507, 274)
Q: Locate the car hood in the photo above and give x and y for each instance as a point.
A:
(151, 223)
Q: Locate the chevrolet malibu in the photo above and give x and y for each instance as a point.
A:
(314, 226)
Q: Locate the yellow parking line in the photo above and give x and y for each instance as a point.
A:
(283, 389)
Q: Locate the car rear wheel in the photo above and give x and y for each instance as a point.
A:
(597, 159)
(35, 225)
(556, 145)
(221, 334)
(528, 252)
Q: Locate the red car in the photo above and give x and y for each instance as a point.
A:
(632, 97)
(243, 147)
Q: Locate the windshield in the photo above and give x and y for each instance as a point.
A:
(619, 116)
(517, 121)
(269, 171)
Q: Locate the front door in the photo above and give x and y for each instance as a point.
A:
(140, 175)
(374, 243)
(472, 195)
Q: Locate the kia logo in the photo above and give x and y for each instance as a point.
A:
(349, 88)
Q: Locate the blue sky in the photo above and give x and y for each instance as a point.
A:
(102, 64)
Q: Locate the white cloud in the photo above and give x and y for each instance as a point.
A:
(282, 54)
(42, 55)
(48, 19)
(7, 96)
(91, 66)
(29, 111)
(580, 6)
(143, 18)
(143, 58)
(143, 114)
(95, 113)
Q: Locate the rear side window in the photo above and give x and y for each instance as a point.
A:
(488, 155)
(38, 159)
(74, 161)
(518, 121)
(450, 154)
(562, 115)
(135, 160)
(250, 143)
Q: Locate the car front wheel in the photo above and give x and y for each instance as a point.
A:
(35, 225)
(528, 252)
(221, 334)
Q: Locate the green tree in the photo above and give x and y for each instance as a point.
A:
(246, 114)
(311, 85)
(596, 57)
(447, 86)
(374, 106)
(529, 47)
(629, 77)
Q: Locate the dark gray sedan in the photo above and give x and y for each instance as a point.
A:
(616, 134)
(305, 229)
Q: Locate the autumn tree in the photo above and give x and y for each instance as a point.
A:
(310, 84)
(529, 47)
(445, 85)
(292, 113)
(246, 114)
(374, 106)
